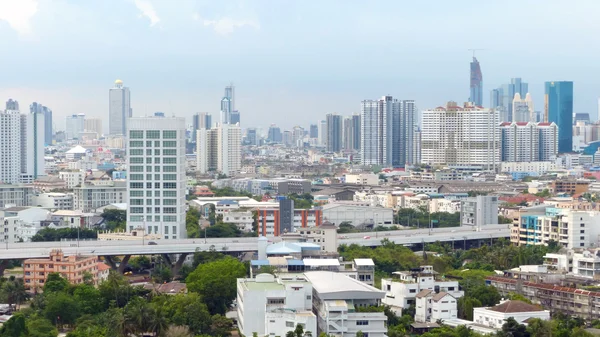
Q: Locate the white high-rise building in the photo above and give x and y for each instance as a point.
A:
(10, 143)
(461, 136)
(32, 146)
(93, 125)
(323, 133)
(75, 126)
(156, 182)
(219, 149)
(387, 131)
(528, 142)
(522, 109)
(119, 109)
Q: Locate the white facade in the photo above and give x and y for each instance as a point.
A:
(362, 179)
(219, 149)
(10, 146)
(75, 125)
(119, 109)
(523, 110)
(88, 198)
(156, 178)
(479, 211)
(243, 220)
(72, 178)
(93, 125)
(537, 167)
(495, 317)
(528, 141)
(54, 201)
(431, 306)
(270, 306)
(358, 215)
(32, 146)
(401, 290)
(444, 205)
(466, 136)
(324, 235)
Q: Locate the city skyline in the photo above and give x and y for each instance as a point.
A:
(188, 78)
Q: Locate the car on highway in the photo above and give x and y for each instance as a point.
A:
(152, 243)
(367, 237)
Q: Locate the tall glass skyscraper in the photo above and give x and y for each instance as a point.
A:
(502, 97)
(476, 95)
(119, 109)
(559, 109)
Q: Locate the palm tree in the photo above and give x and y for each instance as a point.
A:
(158, 321)
(137, 316)
(13, 292)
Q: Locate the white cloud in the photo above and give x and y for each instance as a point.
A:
(18, 14)
(226, 25)
(148, 11)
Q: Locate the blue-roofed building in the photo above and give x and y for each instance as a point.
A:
(224, 206)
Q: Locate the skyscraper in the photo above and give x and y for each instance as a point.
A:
(314, 131)
(200, 120)
(558, 108)
(356, 129)
(75, 125)
(334, 132)
(461, 136)
(387, 131)
(234, 117)
(274, 134)
(522, 109)
(476, 93)
(119, 109)
(228, 105)
(251, 137)
(32, 146)
(348, 144)
(323, 133)
(529, 141)
(297, 136)
(502, 98)
(219, 149)
(36, 107)
(156, 183)
(10, 143)
(93, 125)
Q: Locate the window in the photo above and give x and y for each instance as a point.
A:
(149, 143)
(157, 168)
(136, 152)
(157, 143)
(362, 322)
(450, 288)
(170, 185)
(136, 168)
(170, 210)
(157, 152)
(136, 218)
(136, 160)
(148, 160)
(148, 201)
(170, 169)
(148, 152)
(582, 225)
(148, 193)
(136, 134)
(166, 229)
(152, 134)
(137, 210)
(169, 202)
(136, 193)
(389, 287)
(170, 218)
(170, 194)
(136, 185)
(289, 324)
(412, 291)
(157, 193)
(137, 202)
(157, 218)
(156, 160)
(148, 176)
(175, 230)
(276, 301)
(582, 231)
(148, 168)
(169, 134)
(157, 201)
(136, 143)
(169, 177)
(170, 152)
(136, 176)
(309, 297)
(170, 161)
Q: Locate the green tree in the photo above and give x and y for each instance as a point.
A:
(512, 328)
(50, 234)
(13, 291)
(539, 328)
(140, 263)
(299, 330)
(55, 283)
(14, 327)
(221, 326)
(114, 219)
(89, 299)
(61, 308)
(40, 327)
(216, 282)
(290, 334)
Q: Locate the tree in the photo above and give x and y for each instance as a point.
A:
(216, 282)
(539, 327)
(221, 326)
(140, 263)
(512, 328)
(138, 315)
(13, 291)
(114, 219)
(359, 333)
(40, 327)
(178, 331)
(50, 234)
(61, 308)
(299, 331)
(14, 327)
(290, 334)
(89, 299)
(55, 283)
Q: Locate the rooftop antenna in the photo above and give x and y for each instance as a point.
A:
(474, 50)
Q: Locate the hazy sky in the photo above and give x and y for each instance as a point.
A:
(291, 61)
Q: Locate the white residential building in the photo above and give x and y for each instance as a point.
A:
(528, 141)
(75, 125)
(460, 136)
(479, 211)
(337, 302)
(324, 235)
(94, 125)
(444, 205)
(362, 179)
(156, 178)
(272, 306)
(53, 201)
(119, 109)
(358, 216)
(431, 306)
(32, 146)
(495, 317)
(536, 167)
(523, 110)
(401, 290)
(219, 149)
(387, 131)
(72, 178)
(10, 143)
(585, 263)
(242, 219)
(89, 197)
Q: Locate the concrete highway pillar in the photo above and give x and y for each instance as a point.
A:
(123, 264)
(177, 265)
(109, 260)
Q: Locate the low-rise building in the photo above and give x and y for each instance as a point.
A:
(242, 219)
(90, 197)
(402, 288)
(570, 186)
(324, 235)
(72, 178)
(49, 183)
(73, 268)
(358, 216)
(496, 316)
(432, 307)
(270, 220)
(16, 195)
(362, 179)
(53, 200)
(479, 211)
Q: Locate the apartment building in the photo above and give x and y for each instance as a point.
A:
(340, 304)
(495, 317)
(324, 235)
(529, 141)
(432, 307)
(242, 219)
(557, 299)
(571, 229)
(277, 186)
(54, 201)
(272, 221)
(89, 197)
(73, 268)
(479, 211)
(402, 288)
(570, 186)
(583, 263)
(272, 306)
(15, 195)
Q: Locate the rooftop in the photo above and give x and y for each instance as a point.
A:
(364, 262)
(332, 285)
(515, 306)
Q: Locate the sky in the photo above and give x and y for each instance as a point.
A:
(292, 62)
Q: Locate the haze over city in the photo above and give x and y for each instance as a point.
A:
(291, 62)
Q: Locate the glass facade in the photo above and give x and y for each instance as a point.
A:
(559, 109)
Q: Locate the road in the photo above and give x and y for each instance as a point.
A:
(111, 248)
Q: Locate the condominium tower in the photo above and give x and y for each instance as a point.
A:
(529, 142)
(219, 149)
(334, 132)
(461, 136)
(558, 108)
(503, 96)
(476, 84)
(156, 182)
(119, 109)
(38, 108)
